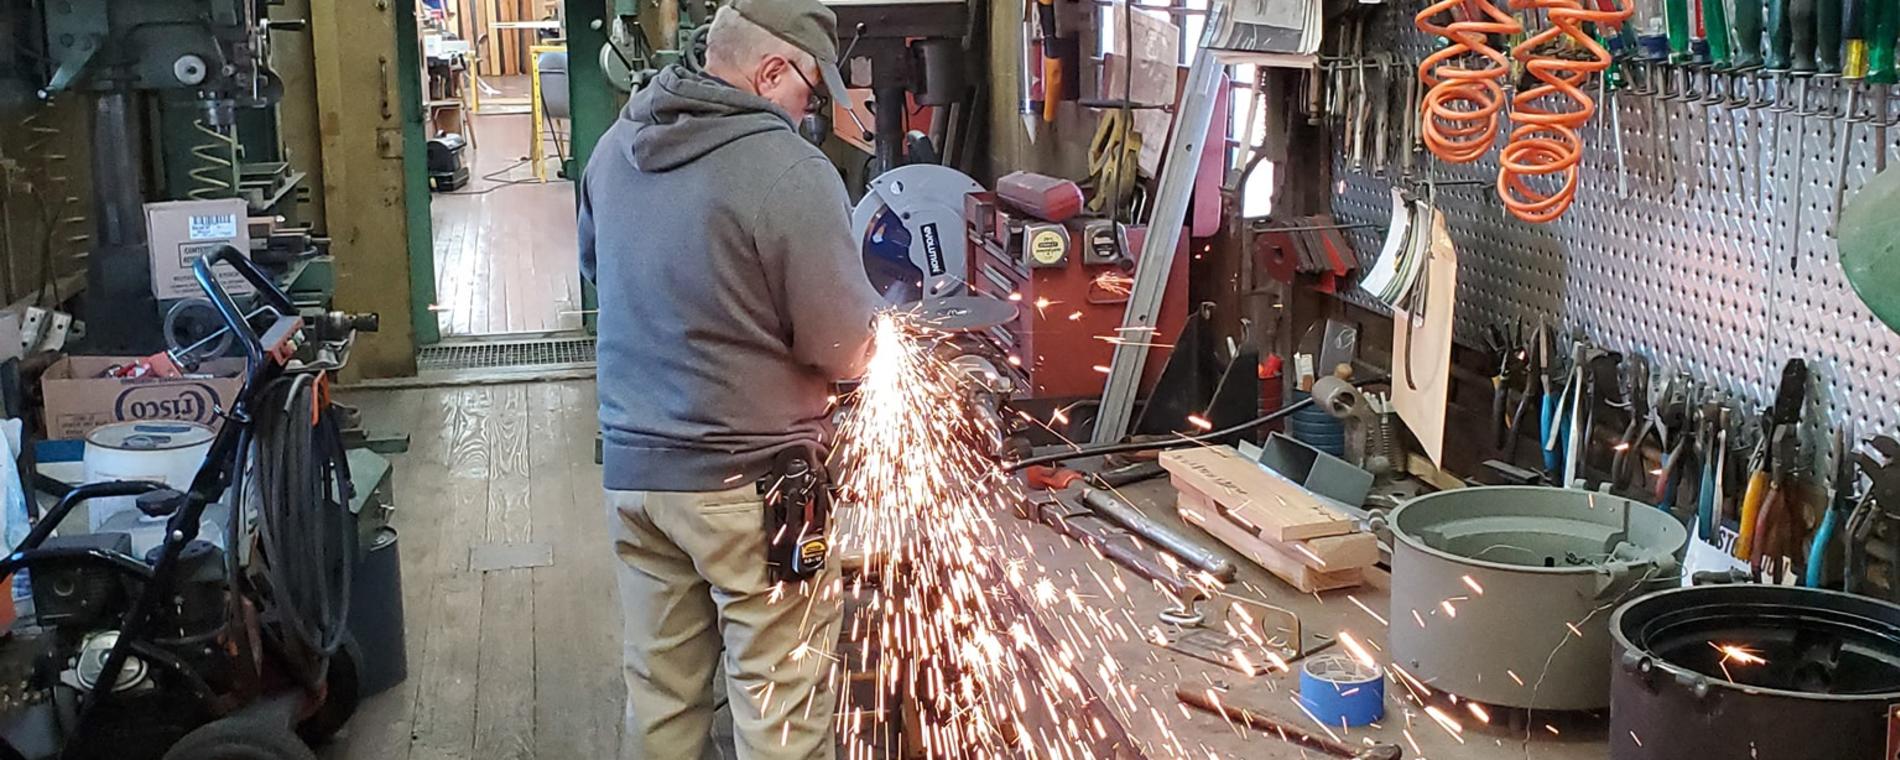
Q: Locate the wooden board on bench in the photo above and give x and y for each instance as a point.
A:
(1281, 510)
(1290, 565)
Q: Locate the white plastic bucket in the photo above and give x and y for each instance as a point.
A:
(163, 451)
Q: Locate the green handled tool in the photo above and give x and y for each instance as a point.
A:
(1778, 35)
(1748, 34)
(1827, 25)
(1676, 12)
(1715, 25)
(1800, 23)
(1883, 20)
(1854, 25)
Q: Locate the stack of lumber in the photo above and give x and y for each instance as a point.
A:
(1269, 519)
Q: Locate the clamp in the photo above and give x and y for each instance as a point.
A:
(1878, 502)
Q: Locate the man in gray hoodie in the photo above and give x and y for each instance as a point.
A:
(731, 297)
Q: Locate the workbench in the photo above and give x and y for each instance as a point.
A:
(1158, 671)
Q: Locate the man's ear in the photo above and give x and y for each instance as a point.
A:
(773, 67)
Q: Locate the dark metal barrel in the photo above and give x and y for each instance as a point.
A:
(1750, 671)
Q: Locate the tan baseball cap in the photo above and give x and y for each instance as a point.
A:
(809, 26)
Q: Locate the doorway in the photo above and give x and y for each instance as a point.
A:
(502, 210)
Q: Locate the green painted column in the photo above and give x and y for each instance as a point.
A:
(415, 178)
(593, 102)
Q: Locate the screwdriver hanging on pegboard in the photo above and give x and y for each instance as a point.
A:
(1854, 40)
(1676, 13)
(1883, 19)
(1801, 37)
(1827, 25)
(1747, 35)
(1715, 31)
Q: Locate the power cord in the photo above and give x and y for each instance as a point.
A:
(305, 530)
(1174, 443)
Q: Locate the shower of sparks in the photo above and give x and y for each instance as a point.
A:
(1358, 652)
(1368, 610)
(950, 602)
(1478, 711)
(1738, 655)
(1115, 283)
(1473, 584)
(1735, 654)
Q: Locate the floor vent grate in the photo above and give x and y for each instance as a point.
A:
(498, 354)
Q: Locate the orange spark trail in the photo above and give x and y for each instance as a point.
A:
(953, 605)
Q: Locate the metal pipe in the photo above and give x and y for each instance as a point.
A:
(1055, 513)
(122, 314)
(889, 121)
(1126, 515)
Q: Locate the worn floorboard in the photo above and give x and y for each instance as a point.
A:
(446, 671)
(505, 246)
(510, 664)
(579, 680)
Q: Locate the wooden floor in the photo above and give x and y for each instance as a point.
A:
(506, 664)
(524, 663)
(505, 256)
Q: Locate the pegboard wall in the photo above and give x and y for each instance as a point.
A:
(1717, 262)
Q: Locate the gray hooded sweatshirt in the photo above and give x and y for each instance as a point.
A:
(731, 293)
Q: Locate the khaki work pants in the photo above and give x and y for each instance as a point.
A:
(695, 595)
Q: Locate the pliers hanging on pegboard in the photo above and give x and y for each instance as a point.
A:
(1790, 398)
(1673, 420)
(1531, 368)
(1642, 426)
(1707, 457)
(1507, 345)
(1840, 505)
(1779, 519)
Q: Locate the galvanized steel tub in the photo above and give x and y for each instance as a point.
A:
(1503, 594)
(1806, 674)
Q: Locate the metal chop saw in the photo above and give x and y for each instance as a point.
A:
(910, 228)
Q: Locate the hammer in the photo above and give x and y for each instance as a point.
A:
(1260, 720)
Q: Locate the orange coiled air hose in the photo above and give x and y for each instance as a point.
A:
(1459, 113)
(1545, 141)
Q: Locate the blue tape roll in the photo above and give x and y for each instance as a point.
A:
(1340, 690)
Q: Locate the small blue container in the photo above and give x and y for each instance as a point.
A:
(1340, 690)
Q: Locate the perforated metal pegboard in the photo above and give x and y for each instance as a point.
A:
(1717, 261)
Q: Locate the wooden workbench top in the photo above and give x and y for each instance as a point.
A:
(1155, 672)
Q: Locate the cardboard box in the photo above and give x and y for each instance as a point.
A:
(79, 399)
(179, 232)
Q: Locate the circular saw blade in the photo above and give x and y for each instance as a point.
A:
(963, 313)
(887, 263)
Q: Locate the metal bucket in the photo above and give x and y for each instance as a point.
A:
(1503, 594)
(1749, 671)
(376, 618)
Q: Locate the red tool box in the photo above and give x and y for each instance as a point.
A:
(1071, 287)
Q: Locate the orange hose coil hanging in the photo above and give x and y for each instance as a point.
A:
(1548, 116)
(1459, 113)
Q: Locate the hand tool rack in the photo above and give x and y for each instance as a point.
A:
(1717, 261)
